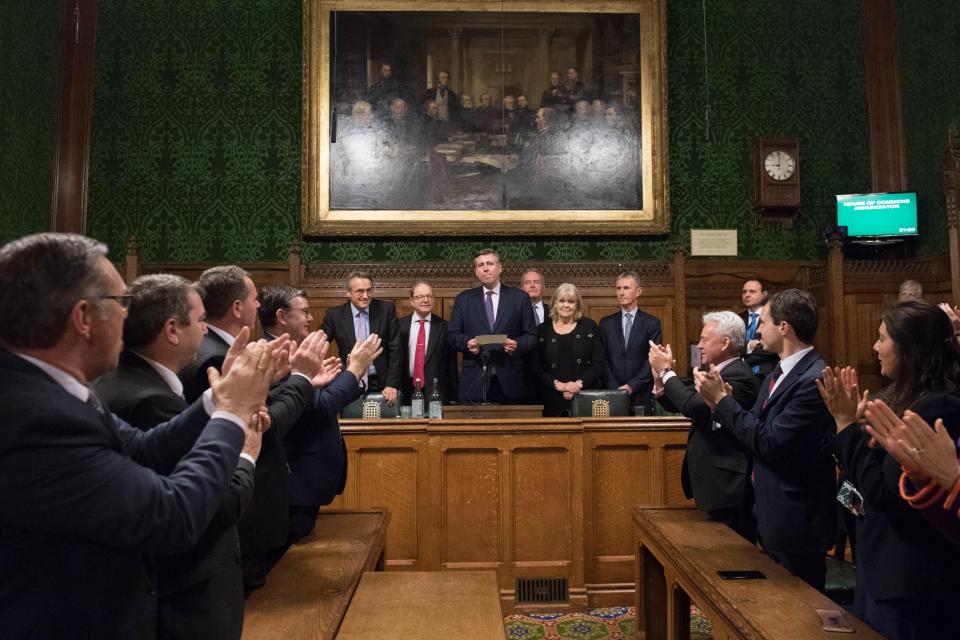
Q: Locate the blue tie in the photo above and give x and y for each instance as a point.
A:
(489, 304)
(752, 327)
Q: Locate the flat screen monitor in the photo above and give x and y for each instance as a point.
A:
(878, 215)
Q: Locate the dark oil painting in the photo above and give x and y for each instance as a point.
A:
(484, 111)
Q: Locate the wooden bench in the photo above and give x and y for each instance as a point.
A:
(307, 593)
(412, 605)
(679, 552)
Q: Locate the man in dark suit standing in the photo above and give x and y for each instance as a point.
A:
(316, 452)
(230, 299)
(627, 335)
(358, 318)
(496, 372)
(716, 467)
(87, 499)
(754, 295)
(200, 590)
(426, 355)
(787, 432)
(531, 281)
(448, 104)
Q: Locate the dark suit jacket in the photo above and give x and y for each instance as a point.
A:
(339, 326)
(588, 355)
(899, 553)
(453, 101)
(315, 449)
(514, 318)
(765, 360)
(440, 361)
(83, 508)
(715, 464)
(629, 365)
(265, 524)
(795, 481)
(135, 392)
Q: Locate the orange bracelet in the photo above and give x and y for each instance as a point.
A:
(952, 497)
(924, 497)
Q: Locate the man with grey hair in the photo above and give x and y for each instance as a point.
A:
(910, 290)
(200, 590)
(89, 500)
(716, 467)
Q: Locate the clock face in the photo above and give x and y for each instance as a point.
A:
(779, 165)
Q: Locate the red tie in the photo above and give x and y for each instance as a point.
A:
(773, 382)
(420, 353)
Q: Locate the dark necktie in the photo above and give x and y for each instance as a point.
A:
(627, 328)
(773, 382)
(752, 327)
(491, 318)
(420, 354)
(443, 93)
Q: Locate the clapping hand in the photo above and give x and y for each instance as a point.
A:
(243, 389)
(840, 391)
(307, 358)
(364, 353)
(711, 386)
(922, 451)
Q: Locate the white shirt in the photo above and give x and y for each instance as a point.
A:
(80, 391)
(495, 297)
(720, 367)
(229, 339)
(412, 342)
(168, 376)
(787, 364)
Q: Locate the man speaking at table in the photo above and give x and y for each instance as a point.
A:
(492, 372)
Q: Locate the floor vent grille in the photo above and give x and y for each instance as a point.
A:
(541, 590)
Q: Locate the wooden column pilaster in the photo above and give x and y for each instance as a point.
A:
(882, 64)
(680, 351)
(836, 303)
(74, 111)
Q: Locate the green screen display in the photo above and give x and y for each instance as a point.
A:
(878, 214)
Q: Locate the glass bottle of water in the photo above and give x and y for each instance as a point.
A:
(436, 406)
(416, 404)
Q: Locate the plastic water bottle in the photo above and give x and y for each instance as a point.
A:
(416, 404)
(436, 406)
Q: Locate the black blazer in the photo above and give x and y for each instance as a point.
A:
(588, 354)
(629, 365)
(899, 553)
(265, 524)
(338, 324)
(83, 507)
(764, 360)
(440, 361)
(795, 481)
(135, 392)
(715, 464)
(514, 318)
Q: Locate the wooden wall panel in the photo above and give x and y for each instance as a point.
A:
(543, 505)
(672, 463)
(471, 507)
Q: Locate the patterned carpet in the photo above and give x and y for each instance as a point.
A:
(611, 623)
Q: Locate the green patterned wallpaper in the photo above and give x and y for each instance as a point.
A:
(28, 83)
(196, 135)
(929, 39)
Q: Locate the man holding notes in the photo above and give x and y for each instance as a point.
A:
(492, 367)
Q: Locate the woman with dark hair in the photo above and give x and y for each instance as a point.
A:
(570, 356)
(908, 573)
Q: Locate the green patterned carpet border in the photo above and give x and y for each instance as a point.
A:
(609, 623)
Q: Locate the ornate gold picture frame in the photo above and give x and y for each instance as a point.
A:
(446, 118)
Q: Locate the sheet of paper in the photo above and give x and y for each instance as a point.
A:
(498, 338)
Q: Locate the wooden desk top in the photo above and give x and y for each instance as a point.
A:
(307, 593)
(464, 424)
(400, 605)
(781, 607)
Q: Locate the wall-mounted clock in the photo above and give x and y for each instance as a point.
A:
(776, 169)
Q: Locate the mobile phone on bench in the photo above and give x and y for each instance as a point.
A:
(742, 574)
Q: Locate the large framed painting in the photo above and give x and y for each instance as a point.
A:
(484, 118)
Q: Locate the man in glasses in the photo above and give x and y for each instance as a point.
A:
(89, 501)
(426, 356)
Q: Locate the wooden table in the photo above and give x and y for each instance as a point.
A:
(679, 552)
(307, 593)
(491, 411)
(402, 605)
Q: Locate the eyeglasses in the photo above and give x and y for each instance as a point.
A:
(305, 310)
(123, 299)
(423, 297)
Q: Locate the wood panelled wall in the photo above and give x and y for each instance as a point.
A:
(677, 292)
